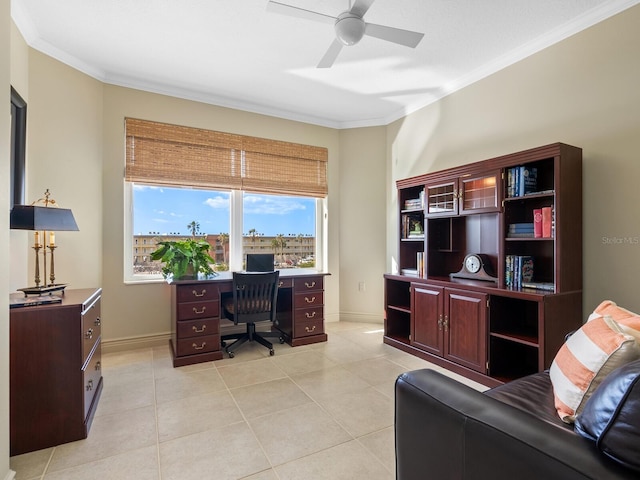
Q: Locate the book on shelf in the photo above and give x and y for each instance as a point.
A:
(518, 270)
(409, 272)
(414, 203)
(521, 181)
(537, 223)
(546, 222)
(546, 286)
(420, 263)
(520, 230)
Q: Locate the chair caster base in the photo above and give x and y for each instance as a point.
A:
(271, 353)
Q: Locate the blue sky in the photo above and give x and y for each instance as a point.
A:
(170, 210)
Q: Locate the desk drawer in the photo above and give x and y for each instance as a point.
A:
(202, 309)
(203, 344)
(309, 314)
(91, 376)
(309, 299)
(196, 293)
(198, 328)
(285, 283)
(308, 283)
(91, 329)
(305, 328)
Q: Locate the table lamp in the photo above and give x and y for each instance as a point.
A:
(48, 218)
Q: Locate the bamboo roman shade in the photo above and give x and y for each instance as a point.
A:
(164, 154)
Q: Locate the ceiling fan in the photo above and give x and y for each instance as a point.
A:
(350, 27)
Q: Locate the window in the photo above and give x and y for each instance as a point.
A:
(241, 194)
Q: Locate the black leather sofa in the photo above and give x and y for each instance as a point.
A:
(447, 430)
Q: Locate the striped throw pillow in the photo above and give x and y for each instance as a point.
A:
(628, 321)
(587, 357)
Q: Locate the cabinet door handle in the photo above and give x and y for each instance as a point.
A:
(310, 285)
(440, 322)
(199, 312)
(196, 347)
(310, 315)
(309, 330)
(97, 322)
(446, 323)
(88, 334)
(98, 366)
(89, 386)
(306, 299)
(197, 330)
(201, 294)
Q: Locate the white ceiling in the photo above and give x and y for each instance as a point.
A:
(234, 53)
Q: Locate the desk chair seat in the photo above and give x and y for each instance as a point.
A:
(254, 300)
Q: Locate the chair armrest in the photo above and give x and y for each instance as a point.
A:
(447, 430)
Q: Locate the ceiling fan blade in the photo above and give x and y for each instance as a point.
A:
(277, 7)
(332, 53)
(395, 35)
(360, 7)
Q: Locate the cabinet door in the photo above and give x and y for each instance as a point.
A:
(479, 193)
(442, 198)
(427, 323)
(465, 324)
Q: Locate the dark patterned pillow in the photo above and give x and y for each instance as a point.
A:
(611, 416)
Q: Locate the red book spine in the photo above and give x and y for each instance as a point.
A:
(537, 223)
(546, 222)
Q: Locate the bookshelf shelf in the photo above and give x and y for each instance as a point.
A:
(489, 208)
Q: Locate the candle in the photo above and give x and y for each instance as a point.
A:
(37, 239)
(52, 239)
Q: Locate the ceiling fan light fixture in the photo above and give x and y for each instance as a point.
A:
(349, 28)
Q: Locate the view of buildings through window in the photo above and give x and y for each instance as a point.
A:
(282, 225)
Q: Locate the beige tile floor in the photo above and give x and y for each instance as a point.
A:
(322, 411)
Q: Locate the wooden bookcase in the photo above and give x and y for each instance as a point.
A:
(489, 331)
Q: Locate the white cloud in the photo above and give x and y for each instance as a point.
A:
(271, 205)
(217, 202)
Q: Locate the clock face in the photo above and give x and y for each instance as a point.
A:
(472, 263)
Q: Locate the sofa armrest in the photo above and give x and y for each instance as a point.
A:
(447, 430)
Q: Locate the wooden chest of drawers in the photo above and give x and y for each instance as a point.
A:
(195, 335)
(55, 370)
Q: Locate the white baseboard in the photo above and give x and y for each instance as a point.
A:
(361, 317)
(10, 475)
(134, 343)
(159, 340)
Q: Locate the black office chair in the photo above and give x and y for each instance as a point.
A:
(254, 300)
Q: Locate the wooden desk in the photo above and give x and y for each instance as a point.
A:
(55, 370)
(196, 310)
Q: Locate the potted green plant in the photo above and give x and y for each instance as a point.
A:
(184, 259)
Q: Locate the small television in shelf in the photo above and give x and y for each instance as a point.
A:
(260, 262)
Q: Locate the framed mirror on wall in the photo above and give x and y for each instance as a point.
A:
(18, 148)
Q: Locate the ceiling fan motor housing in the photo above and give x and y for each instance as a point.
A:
(349, 28)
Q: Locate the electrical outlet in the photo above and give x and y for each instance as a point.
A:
(361, 286)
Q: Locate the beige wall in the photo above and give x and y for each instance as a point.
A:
(362, 227)
(133, 311)
(584, 92)
(5, 28)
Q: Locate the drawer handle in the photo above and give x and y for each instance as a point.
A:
(280, 284)
(88, 334)
(309, 330)
(89, 386)
(306, 299)
(98, 366)
(310, 315)
(199, 347)
(195, 329)
(201, 294)
(97, 322)
(310, 285)
(195, 310)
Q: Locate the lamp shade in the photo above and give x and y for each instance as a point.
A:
(31, 217)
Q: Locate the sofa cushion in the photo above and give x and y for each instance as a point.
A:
(627, 320)
(587, 357)
(611, 416)
(531, 394)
